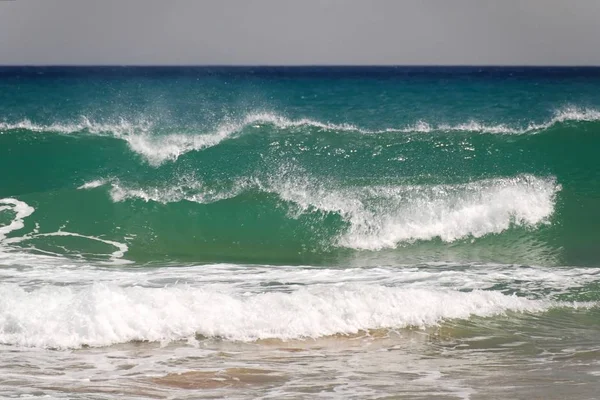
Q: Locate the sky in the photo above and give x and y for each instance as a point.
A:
(299, 32)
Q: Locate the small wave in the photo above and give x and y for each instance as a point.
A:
(103, 314)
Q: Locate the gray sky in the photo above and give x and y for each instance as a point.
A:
(542, 32)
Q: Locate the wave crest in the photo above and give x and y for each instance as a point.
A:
(381, 217)
(384, 216)
(158, 148)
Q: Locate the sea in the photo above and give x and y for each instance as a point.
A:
(300, 232)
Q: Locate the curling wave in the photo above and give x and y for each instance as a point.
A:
(384, 216)
(379, 217)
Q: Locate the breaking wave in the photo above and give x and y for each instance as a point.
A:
(104, 314)
(158, 148)
(380, 217)
(384, 216)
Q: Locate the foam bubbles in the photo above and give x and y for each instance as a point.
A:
(104, 314)
(92, 184)
(52, 302)
(21, 211)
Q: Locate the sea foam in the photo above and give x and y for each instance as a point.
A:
(20, 209)
(103, 314)
(55, 302)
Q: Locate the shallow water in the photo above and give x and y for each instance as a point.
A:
(447, 362)
(210, 331)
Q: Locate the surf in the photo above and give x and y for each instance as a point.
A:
(104, 307)
(145, 137)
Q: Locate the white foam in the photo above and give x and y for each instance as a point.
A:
(35, 269)
(92, 184)
(574, 114)
(169, 194)
(560, 116)
(56, 302)
(383, 216)
(115, 256)
(158, 149)
(21, 210)
(103, 314)
(474, 126)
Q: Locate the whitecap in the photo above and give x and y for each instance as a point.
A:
(102, 314)
(157, 148)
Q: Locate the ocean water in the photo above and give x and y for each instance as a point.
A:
(300, 232)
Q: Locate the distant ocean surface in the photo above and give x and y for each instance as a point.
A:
(332, 232)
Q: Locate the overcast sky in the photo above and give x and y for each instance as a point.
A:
(118, 32)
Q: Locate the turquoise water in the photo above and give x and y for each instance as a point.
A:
(261, 167)
(248, 204)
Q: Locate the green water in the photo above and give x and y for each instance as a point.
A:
(265, 168)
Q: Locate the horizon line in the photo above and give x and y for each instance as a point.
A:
(297, 66)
